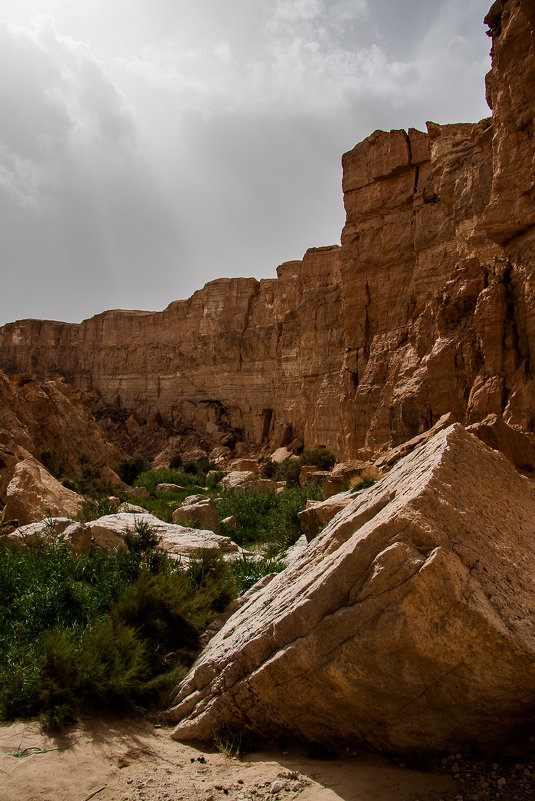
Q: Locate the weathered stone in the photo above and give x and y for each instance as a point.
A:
(408, 624)
(138, 492)
(174, 488)
(78, 537)
(317, 514)
(33, 493)
(258, 485)
(111, 478)
(280, 455)
(108, 533)
(231, 521)
(131, 508)
(236, 478)
(245, 465)
(198, 514)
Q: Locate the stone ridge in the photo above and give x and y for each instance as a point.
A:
(426, 308)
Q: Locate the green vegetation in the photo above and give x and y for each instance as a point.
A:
(268, 520)
(129, 469)
(81, 633)
(96, 631)
(289, 470)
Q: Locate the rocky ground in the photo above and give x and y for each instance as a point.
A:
(135, 760)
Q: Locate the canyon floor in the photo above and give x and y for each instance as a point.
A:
(136, 760)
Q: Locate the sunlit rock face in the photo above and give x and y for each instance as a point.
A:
(426, 308)
(405, 625)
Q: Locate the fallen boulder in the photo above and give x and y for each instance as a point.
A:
(33, 494)
(109, 531)
(198, 514)
(407, 624)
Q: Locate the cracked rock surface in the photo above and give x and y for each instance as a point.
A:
(407, 624)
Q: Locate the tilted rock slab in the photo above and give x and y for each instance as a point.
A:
(407, 625)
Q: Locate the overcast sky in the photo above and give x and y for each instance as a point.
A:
(149, 146)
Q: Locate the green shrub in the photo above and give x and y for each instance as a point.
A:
(92, 509)
(321, 457)
(267, 519)
(151, 478)
(129, 469)
(247, 571)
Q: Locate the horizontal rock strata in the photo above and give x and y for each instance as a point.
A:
(426, 308)
(407, 624)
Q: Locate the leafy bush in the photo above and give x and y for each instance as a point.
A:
(92, 509)
(321, 457)
(99, 630)
(129, 469)
(50, 459)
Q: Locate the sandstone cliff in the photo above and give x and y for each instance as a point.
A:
(426, 308)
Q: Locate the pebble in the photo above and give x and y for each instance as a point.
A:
(276, 787)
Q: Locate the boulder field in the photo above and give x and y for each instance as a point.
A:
(406, 625)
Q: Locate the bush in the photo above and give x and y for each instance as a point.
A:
(321, 457)
(129, 469)
(85, 633)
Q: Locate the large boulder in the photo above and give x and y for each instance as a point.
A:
(33, 494)
(199, 514)
(50, 531)
(109, 531)
(407, 624)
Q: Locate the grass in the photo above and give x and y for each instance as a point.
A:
(268, 520)
(82, 633)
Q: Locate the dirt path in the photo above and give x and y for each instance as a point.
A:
(132, 760)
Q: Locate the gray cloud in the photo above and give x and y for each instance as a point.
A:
(148, 148)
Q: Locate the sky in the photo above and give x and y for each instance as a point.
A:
(150, 146)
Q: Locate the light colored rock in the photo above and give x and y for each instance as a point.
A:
(408, 624)
(317, 514)
(138, 492)
(192, 499)
(114, 501)
(231, 521)
(179, 541)
(78, 537)
(175, 488)
(131, 508)
(33, 493)
(51, 531)
(258, 485)
(219, 453)
(280, 455)
(111, 478)
(236, 478)
(198, 514)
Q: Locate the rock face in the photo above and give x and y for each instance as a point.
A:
(33, 494)
(425, 309)
(406, 625)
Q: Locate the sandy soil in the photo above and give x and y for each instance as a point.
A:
(134, 760)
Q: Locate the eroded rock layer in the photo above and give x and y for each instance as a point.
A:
(427, 307)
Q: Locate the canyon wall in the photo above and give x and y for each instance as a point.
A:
(427, 307)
